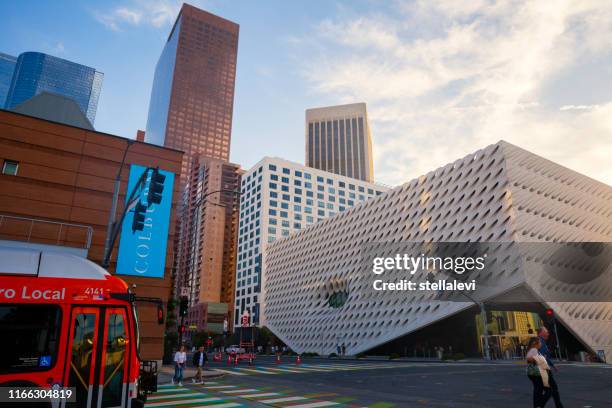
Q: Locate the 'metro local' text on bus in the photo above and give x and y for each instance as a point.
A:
(67, 322)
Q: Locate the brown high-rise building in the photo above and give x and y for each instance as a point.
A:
(192, 97)
(206, 256)
(191, 108)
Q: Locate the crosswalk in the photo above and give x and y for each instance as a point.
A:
(301, 369)
(171, 396)
(221, 395)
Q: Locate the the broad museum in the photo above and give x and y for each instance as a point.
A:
(516, 242)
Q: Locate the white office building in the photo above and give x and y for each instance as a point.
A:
(278, 198)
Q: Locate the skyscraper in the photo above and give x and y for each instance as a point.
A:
(338, 140)
(192, 97)
(206, 258)
(7, 67)
(36, 72)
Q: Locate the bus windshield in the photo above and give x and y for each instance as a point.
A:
(30, 335)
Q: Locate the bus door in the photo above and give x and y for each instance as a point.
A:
(83, 347)
(98, 354)
(113, 380)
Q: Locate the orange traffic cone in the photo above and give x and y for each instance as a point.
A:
(298, 360)
(278, 360)
(236, 360)
(250, 360)
(229, 359)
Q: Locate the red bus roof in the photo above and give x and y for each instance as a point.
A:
(82, 278)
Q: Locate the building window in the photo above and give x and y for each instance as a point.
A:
(272, 167)
(10, 168)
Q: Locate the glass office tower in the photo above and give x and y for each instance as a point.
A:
(36, 72)
(7, 67)
(192, 97)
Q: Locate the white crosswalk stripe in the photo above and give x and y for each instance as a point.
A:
(259, 395)
(231, 372)
(317, 404)
(185, 401)
(284, 399)
(240, 391)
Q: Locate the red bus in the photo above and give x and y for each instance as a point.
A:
(66, 322)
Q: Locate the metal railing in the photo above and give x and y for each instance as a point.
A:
(36, 230)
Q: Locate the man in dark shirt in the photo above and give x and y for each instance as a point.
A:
(543, 334)
(199, 361)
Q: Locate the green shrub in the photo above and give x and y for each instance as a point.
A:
(458, 356)
(361, 355)
(333, 355)
(393, 356)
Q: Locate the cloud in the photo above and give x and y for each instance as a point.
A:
(577, 107)
(59, 48)
(445, 78)
(156, 13)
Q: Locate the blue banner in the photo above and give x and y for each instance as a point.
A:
(143, 253)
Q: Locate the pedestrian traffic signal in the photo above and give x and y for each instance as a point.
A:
(139, 217)
(550, 313)
(160, 313)
(184, 305)
(182, 329)
(156, 187)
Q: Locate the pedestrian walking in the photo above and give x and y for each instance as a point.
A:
(543, 335)
(200, 359)
(338, 349)
(538, 372)
(343, 349)
(180, 357)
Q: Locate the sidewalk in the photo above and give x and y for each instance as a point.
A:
(469, 360)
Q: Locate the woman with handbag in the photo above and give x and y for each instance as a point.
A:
(537, 371)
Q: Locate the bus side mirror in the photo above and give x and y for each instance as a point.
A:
(160, 313)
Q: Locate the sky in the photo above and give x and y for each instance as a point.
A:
(441, 79)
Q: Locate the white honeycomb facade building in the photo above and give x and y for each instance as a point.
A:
(501, 193)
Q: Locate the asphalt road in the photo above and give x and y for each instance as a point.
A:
(382, 384)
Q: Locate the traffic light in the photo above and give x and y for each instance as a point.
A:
(182, 328)
(139, 217)
(160, 313)
(184, 305)
(550, 313)
(156, 187)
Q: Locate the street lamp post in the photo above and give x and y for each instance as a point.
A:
(113, 212)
